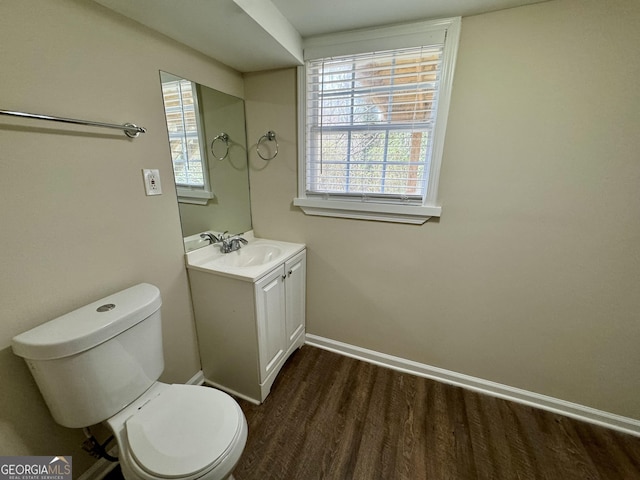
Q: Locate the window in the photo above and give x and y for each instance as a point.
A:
(374, 106)
(186, 139)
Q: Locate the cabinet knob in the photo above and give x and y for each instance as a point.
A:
(284, 277)
(290, 272)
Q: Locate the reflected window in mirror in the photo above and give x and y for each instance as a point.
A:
(186, 139)
(226, 166)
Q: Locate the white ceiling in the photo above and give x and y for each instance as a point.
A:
(316, 17)
(252, 35)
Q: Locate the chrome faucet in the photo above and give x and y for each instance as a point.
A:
(228, 243)
(235, 243)
(211, 237)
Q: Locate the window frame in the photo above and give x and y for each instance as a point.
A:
(194, 194)
(371, 40)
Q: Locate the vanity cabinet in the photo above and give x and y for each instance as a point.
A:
(247, 329)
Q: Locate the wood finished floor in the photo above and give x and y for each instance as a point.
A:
(333, 417)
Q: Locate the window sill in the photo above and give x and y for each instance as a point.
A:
(382, 212)
(196, 197)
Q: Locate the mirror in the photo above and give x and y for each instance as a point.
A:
(208, 143)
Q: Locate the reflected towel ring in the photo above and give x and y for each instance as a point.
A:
(225, 138)
(270, 136)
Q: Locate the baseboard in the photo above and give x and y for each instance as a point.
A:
(555, 405)
(197, 379)
(231, 392)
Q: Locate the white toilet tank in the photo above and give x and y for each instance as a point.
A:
(91, 363)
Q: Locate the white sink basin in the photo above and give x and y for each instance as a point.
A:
(250, 263)
(250, 256)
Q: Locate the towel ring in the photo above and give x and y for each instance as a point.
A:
(225, 138)
(270, 136)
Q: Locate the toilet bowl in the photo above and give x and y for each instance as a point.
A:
(102, 362)
(179, 431)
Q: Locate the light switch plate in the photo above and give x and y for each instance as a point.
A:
(152, 183)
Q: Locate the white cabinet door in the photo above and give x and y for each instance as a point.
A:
(270, 311)
(296, 271)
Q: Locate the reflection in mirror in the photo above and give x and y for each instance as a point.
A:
(207, 139)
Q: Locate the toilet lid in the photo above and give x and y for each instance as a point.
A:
(183, 431)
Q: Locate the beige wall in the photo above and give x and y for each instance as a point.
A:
(75, 222)
(531, 277)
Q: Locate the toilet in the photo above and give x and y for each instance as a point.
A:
(101, 363)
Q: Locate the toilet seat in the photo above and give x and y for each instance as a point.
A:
(184, 431)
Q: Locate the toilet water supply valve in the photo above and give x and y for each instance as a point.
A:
(95, 448)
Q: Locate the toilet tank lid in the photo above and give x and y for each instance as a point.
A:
(88, 326)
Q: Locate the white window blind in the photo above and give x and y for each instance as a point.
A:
(184, 138)
(369, 124)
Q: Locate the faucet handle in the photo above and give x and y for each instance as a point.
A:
(240, 238)
(235, 243)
